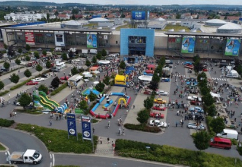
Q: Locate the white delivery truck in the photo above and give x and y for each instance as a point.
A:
(228, 133)
(29, 156)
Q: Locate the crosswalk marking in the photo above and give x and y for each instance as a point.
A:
(220, 79)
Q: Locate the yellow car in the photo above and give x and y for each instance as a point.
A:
(159, 101)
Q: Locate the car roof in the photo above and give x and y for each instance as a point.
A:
(221, 139)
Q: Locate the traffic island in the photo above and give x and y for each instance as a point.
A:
(2, 147)
(57, 140)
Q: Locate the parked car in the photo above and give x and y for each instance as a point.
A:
(158, 123)
(187, 63)
(54, 69)
(205, 69)
(64, 78)
(32, 83)
(165, 79)
(159, 101)
(160, 108)
(162, 93)
(196, 109)
(195, 126)
(38, 79)
(147, 92)
(189, 66)
(156, 115)
(44, 76)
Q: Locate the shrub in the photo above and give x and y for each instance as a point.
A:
(20, 84)
(143, 116)
(4, 93)
(143, 127)
(63, 86)
(14, 78)
(6, 123)
(56, 140)
(48, 64)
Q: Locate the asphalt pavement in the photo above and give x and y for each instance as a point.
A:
(21, 141)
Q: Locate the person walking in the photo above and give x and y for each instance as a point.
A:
(93, 130)
(50, 123)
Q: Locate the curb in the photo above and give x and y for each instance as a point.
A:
(6, 148)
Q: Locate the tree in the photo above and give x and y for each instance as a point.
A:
(27, 58)
(88, 63)
(64, 56)
(211, 110)
(6, 65)
(11, 52)
(73, 17)
(5, 46)
(74, 71)
(106, 80)
(201, 140)
(217, 125)
(94, 60)
(148, 103)
(17, 61)
(143, 116)
(153, 85)
(39, 68)
(55, 82)
(122, 65)
(27, 47)
(43, 88)
(27, 73)
(100, 87)
(74, 11)
(83, 105)
(14, 78)
(48, 64)
(1, 85)
(178, 16)
(44, 52)
(156, 78)
(24, 100)
(56, 13)
(208, 99)
(36, 55)
(20, 50)
(92, 96)
(104, 53)
(47, 17)
(99, 56)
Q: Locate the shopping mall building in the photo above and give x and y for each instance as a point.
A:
(127, 42)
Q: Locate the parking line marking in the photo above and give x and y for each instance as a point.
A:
(53, 159)
(50, 156)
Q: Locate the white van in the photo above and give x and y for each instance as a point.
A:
(58, 49)
(60, 65)
(169, 62)
(228, 133)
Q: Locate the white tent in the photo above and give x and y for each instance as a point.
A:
(103, 62)
(145, 78)
(215, 95)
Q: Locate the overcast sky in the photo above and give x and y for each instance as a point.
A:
(149, 2)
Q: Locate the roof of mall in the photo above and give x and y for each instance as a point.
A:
(39, 28)
(204, 34)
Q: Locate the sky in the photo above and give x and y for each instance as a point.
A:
(149, 2)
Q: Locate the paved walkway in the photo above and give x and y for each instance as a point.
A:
(5, 76)
(105, 148)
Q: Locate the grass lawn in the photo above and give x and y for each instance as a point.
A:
(90, 25)
(175, 27)
(2, 148)
(123, 26)
(57, 140)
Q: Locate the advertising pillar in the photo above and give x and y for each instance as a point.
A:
(59, 39)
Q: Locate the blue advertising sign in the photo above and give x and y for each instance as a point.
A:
(91, 41)
(86, 128)
(232, 47)
(71, 124)
(138, 15)
(188, 44)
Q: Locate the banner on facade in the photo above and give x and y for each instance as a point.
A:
(91, 41)
(188, 44)
(29, 38)
(59, 39)
(232, 47)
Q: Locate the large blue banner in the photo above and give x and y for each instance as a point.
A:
(232, 47)
(91, 41)
(138, 15)
(71, 124)
(86, 128)
(188, 44)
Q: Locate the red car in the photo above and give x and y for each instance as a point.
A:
(147, 92)
(159, 108)
(205, 69)
(32, 83)
(156, 115)
(64, 78)
(189, 66)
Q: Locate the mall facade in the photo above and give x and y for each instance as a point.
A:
(127, 42)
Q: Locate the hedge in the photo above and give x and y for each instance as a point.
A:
(6, 122)
(172, 155)
(12, 70)
(145, 128)
(57, 141)
(63, 86)
(4, 93)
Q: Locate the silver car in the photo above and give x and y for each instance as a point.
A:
(195, 126)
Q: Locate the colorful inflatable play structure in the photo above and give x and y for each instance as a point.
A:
(87, 91)
(121, 80)
(123, 99)
(42, 100)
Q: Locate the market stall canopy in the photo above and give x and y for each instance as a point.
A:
(104, 62)
(215, 95)
(145, 78)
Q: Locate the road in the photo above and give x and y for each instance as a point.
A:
(20, 141)
(93, 161)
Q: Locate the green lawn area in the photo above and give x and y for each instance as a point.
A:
(90, 25)
(57, 140)
(123, 26)
(175, 27)
(2, 148)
